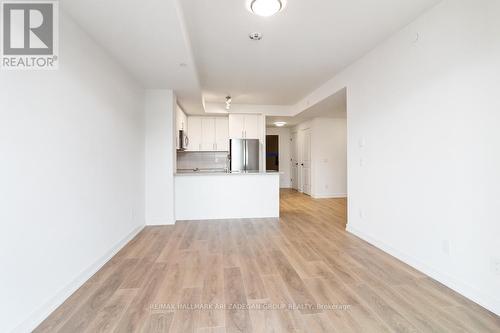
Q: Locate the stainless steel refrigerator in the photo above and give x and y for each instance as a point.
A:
(244, 155)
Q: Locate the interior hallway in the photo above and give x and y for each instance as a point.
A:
(306, 258)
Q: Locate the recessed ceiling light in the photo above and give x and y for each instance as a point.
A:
(255, 36)
(280, 123)
(266, 7)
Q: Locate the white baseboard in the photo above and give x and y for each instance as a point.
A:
(160, 222)
(43, 312)
(330, 196)
(486, 301)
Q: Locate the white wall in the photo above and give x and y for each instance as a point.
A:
(160, 106)
(423, 118)
(329, 158)
(71, 175)
(284, 154)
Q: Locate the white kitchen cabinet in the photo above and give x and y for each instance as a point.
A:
(253, 126)
(245, 126)
(236, 126)
(208, 134)
(221, 134)
(194, 133)
(181, 120)
(180, 125)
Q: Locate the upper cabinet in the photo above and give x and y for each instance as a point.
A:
(194, 134)
(221, 134)
(236, 126)
(208, 134)
(181, 124)
(245, 126)
(181, 120)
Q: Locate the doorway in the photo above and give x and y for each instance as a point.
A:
(294, 157)
(272, 153)
(301, 160)
(305, 161)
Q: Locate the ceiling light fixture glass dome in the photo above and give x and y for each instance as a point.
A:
(266, 7)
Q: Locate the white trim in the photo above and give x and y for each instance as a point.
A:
(330, 196)
(470, 292)
(37, 317)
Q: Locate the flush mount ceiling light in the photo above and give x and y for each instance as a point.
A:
(280, 123)
(265, 7)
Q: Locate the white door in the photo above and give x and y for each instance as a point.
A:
(305, 163)
(208, 134)
(236, 126)
(253, 126)
(295, 160)
(194, 134)
(221, 134)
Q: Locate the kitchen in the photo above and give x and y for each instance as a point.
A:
(221, 170)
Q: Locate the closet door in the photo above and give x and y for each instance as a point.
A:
(305, 164)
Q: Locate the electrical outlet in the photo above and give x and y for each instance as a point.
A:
(495, 266)
(362, 142)
(446, 247)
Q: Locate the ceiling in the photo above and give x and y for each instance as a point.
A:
(147, 38)
(305, 45)
(334, 106)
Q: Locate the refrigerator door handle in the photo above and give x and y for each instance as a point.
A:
(245, 153)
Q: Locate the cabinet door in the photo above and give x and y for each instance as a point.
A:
(221, 134)
(194, 133)
(183, 123)
(207, 134)
(236, 126)
(178, 125)
(253, 127)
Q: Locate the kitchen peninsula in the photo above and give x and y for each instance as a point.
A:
(220, 169)
(221, 195)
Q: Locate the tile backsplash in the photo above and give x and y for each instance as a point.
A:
(202, 160)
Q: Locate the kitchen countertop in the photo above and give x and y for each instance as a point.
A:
(225, 173)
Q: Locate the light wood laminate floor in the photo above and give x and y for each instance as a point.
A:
(303, 273)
